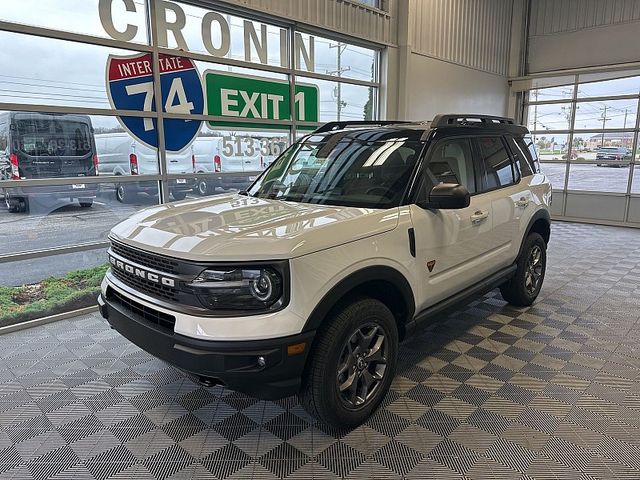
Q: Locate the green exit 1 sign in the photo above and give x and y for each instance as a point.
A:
(240, 96)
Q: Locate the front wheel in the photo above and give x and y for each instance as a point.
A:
(523, 288)
(352, 364)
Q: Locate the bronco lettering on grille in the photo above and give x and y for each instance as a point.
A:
(139, 272)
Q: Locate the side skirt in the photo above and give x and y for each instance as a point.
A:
(453, 301)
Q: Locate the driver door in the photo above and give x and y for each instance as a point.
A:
(453, 247)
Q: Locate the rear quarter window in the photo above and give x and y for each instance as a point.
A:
(529, 150)
(523, 163)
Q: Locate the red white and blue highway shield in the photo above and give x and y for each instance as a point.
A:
(130, 87)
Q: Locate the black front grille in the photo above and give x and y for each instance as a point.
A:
(145, 286)
(149, 260)
(151, 315)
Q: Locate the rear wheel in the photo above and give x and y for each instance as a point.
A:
(16, 204)
(85, 202)
(123, 194)
(352, 364)
(204, 187)
(179, 195)
(523, 288)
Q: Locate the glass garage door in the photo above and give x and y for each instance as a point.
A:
(587, 138)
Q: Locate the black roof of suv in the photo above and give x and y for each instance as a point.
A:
(387, 129)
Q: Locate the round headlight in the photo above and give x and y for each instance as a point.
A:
(262, 287)
(241, 288)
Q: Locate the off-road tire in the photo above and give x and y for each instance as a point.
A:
(319, 393)
(516, 291)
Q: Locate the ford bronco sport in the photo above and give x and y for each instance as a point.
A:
(306, 283)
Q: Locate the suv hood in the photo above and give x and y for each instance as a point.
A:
(238, 228)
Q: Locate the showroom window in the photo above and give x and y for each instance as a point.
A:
(136, 103)
(586, 136)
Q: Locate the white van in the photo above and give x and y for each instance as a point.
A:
(229, 162)
(120, 154)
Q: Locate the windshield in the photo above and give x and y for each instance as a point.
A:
(53, 137)
(341, 171)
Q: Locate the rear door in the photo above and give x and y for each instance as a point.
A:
(54, 146)
(510, 198)
(232, 154)
(454, 248)
(5, 166)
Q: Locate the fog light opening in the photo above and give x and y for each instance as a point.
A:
(261, 361)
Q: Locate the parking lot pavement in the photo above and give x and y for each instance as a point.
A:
(62, 223)
(588, 177)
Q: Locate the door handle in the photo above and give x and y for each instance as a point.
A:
(523, 202)
(479, 216)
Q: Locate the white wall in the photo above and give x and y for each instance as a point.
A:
(583, 33)
(591, 47)
(436, 86)
(453, 56)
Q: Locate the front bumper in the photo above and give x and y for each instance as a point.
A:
(234, 364)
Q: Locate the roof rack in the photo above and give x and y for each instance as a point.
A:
(340, 124)
(468, 119)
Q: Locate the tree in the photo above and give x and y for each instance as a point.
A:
(368, 107)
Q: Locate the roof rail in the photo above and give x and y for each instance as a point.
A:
(340, 124)
(466, 119)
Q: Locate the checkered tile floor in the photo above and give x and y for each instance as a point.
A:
(551, 391)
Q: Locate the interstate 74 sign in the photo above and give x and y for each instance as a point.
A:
(130, 87)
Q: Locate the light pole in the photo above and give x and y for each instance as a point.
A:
(341, 48)
(535, 111)
(604, 123)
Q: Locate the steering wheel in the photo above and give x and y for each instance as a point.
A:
(272, 187)
(380, 191)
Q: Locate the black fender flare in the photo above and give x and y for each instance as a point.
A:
(540, 214)
(354, 280)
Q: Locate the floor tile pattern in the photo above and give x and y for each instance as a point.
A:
(486, 392)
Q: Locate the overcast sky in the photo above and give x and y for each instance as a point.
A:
(55, 72)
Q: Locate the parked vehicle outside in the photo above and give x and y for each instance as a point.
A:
(232, 161)
(613, 157)
(47, 145)
(120, 154)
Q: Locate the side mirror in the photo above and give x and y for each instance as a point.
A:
(447, 196)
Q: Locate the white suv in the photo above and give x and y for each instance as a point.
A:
(306, 283)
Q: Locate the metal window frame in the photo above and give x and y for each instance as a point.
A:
(163, 177)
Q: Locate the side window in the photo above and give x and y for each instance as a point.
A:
(521, 161)
(529, 149)
(4, 134)
(498, 169)
(451, 161)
